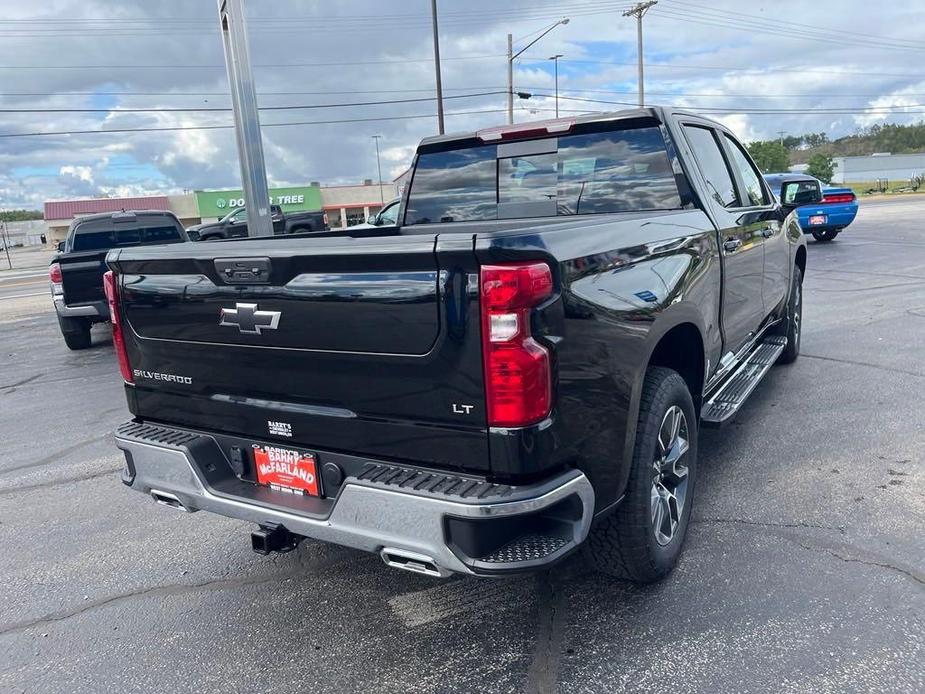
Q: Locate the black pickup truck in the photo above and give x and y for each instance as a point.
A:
(76, 272)
(234, 224)
(518, 368)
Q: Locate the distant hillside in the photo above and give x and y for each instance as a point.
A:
(896, 139)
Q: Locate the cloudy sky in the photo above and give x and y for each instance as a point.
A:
(760, 66)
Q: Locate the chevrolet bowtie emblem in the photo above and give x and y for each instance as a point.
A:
(247, 319)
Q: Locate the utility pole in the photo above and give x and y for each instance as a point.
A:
(638, 11)
(246, 117)
(433, 6)
(511, 57)
(6, 243)
(781, 133)
(379, 168)
(510, 79)
(555, 58)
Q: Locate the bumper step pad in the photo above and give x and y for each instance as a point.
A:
(526, 548)
(728, 399)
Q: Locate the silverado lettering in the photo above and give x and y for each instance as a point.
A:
(585, 294)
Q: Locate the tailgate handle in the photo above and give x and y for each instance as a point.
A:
(243, 270)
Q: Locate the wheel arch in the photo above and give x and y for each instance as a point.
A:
(676, 343)
(800, 259)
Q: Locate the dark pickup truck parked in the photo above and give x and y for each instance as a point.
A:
(234, 224)
(518, 368)
(76, 272)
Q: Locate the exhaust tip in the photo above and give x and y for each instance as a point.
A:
(168, 499)
(412, 561)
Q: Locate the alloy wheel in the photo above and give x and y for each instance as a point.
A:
(670, 475)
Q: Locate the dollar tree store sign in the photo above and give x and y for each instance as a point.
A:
(218, 203)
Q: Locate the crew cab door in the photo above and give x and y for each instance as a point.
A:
(741, 236)
(763, 214)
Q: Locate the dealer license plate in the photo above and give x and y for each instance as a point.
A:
(818, 220)
(287, 470)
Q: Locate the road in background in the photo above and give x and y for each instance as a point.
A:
(804, 568)
(17, 284)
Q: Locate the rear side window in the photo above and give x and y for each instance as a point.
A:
(92, 239)
(593, 173)
(712, 165)
(104, 234)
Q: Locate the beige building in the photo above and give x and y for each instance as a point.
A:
(349, 205)
(346, 205)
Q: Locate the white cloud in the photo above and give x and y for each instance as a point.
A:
(32, 169)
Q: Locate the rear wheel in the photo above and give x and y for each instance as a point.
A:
(825, 235)
(641, 541)
(76, 332)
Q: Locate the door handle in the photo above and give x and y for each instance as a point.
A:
(768, 232)
(732, 245)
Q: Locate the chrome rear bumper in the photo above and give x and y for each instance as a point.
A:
(409, 528)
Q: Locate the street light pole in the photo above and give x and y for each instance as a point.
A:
(246, 117)
(555, 59)
(511, 57)
(433, 6)
(379, 168)
(638, 11)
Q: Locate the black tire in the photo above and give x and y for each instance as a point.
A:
(626, 544)
(792, 327)
(825, 235)
(76, 332)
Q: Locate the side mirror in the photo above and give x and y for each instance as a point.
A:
(60, 246)
(796, 194)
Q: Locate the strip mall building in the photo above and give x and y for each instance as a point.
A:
(345, 205)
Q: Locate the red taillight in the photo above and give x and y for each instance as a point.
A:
(111, 288)
(54, 273)
(838, 198)
(518, 373)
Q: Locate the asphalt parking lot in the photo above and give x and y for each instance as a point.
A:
(804, 569)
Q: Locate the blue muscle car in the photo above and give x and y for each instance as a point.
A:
(823, 220)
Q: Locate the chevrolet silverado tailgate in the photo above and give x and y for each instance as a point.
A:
(368, 345)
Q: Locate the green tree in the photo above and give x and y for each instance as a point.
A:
(19, 215)
(770, 156)
(821, 166)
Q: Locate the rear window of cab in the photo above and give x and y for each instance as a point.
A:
(104, 234)
(592, 173)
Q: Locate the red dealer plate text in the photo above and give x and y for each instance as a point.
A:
(286, 470)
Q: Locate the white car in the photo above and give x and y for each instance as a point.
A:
(386, 217)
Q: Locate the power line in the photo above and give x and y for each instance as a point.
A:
(222, 67)
(789, 32)
(803, 27)
(874, 110)
(229, 127)
(723, 68)
(213, 109)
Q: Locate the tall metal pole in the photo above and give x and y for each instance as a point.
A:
(246, 117)
(555, 58)
(638, 11)
(433, 6)
(510, 79)
(379, 168)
